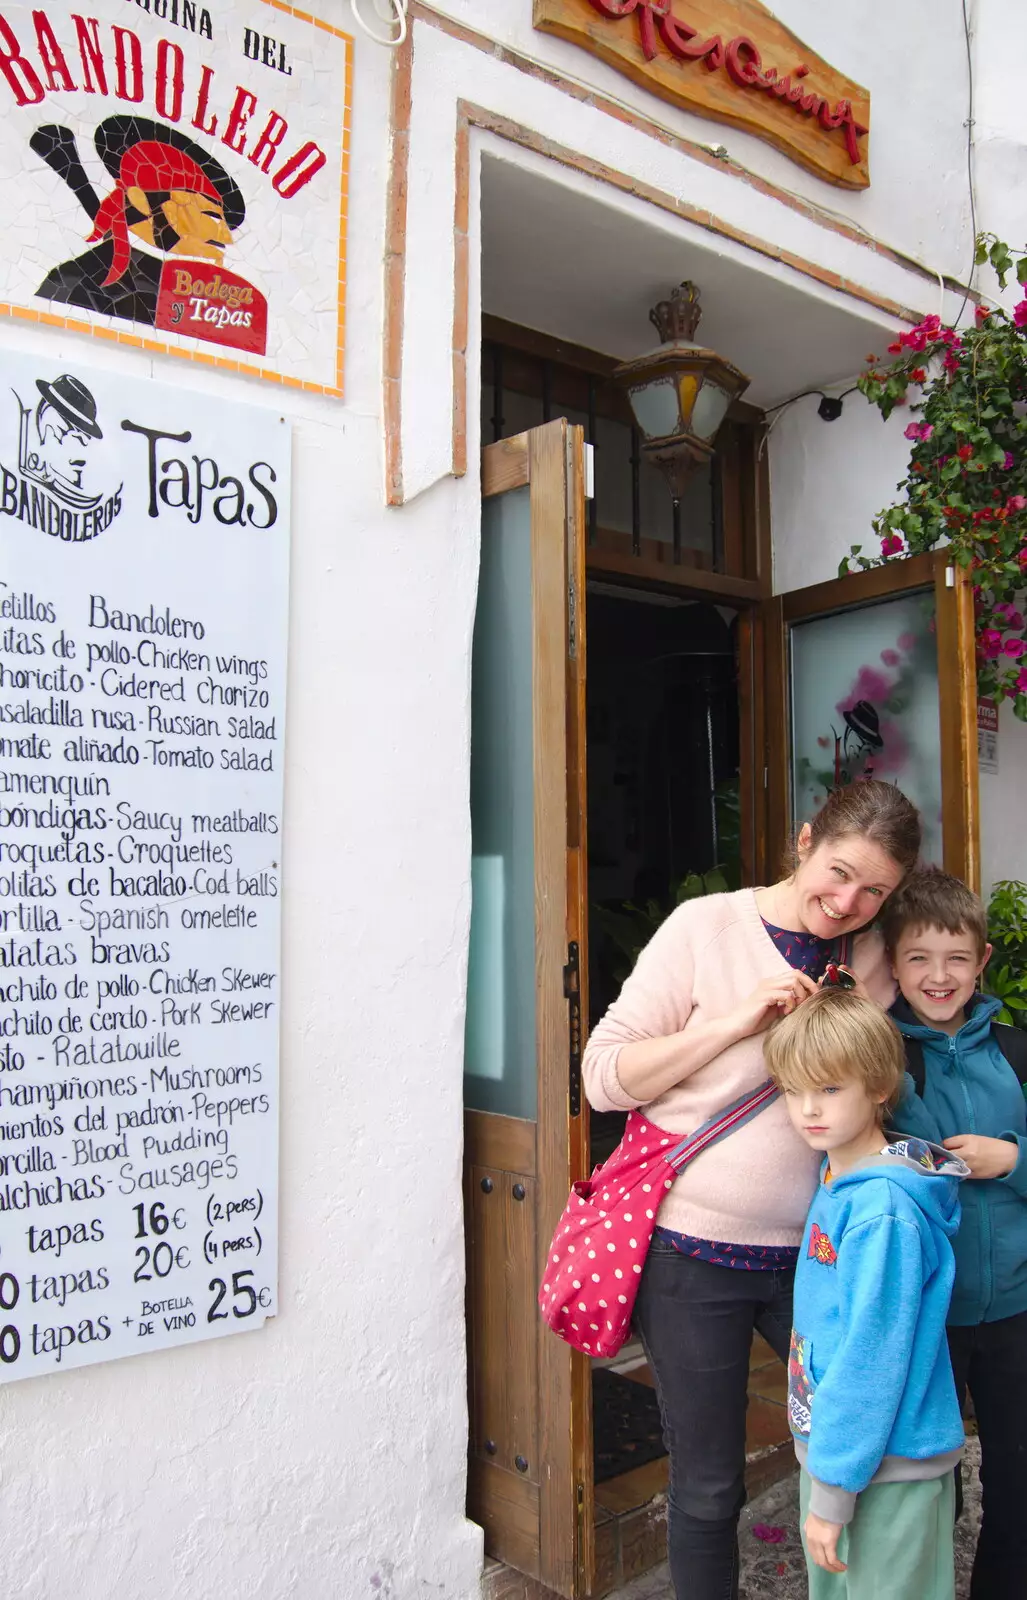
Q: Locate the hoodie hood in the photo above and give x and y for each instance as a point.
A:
(981, 1013)
(928, 1173)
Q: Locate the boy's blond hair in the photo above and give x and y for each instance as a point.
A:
(837, 1037)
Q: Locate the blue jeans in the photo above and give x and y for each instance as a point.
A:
(696, 1324)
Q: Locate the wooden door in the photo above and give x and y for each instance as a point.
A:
(530, 1469)
(874, 674)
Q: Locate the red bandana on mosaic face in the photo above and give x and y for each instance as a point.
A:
(154, 168)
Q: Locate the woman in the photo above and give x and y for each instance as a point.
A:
(684, 1040)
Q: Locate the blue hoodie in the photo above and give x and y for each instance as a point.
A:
(870, 1390)
(971, 1088)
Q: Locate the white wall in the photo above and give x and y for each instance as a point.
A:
(912, 58)
(1003, 840)
(827, 480)
(323, 1457)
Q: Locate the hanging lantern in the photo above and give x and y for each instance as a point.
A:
(680, 392)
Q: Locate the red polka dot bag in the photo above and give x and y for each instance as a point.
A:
(599, 1248)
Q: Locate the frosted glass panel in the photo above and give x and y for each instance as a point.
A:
(499, 1040)
(865, 704)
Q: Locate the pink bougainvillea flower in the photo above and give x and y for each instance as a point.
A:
(990, 643)
(918, 431)
(906, 641)
(1014, 648)
(918, 375)
(1021, 682)
(1007, 465)
(1016, 502)
(1022, 557)
(1005, 609)
(1020, 314)
(769, 1535)
(894, 349)
(891, 545)
(951, 362)
(891, 658)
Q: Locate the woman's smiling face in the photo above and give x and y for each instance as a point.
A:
(842, 883)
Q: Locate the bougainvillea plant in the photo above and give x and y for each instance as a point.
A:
(966, 483)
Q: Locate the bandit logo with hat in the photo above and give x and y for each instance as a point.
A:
(170, 196)
(861, 741)
(48, 490)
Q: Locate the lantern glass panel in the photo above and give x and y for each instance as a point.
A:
(656, 408)
(710, 407)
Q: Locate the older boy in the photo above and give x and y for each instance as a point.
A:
(871, 1400)
(970, 1100)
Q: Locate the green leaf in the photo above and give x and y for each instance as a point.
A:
(1021, 270)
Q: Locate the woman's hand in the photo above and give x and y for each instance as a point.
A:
(854, 985)
(773, 998)
(986, 1158)
(822, 1543)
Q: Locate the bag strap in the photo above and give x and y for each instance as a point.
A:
(915, 1064)
(736, 1115)
(1013, 1044)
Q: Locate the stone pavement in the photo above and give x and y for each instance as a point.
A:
(778, 1571)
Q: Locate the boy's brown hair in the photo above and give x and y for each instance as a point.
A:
(931, 898)
(837, 1037)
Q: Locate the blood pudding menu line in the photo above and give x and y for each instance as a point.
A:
(144, 538)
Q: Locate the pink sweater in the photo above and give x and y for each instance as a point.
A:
(754, 1187)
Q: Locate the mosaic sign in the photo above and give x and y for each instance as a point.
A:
(144, 571)
(175, 176)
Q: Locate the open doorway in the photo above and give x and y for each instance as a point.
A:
(664, 732)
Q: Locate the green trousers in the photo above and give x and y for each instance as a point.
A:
(898, 1546)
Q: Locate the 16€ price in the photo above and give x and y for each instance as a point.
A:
(158, 1260)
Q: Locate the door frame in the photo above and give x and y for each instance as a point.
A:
(957, 692)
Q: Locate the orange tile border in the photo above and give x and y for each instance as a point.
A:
(202, 357)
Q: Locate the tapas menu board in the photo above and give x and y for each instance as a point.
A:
(144, 565)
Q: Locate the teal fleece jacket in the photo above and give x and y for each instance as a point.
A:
(870, 1390)
(971, 1088)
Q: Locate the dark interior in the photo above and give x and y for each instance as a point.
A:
(662, 706)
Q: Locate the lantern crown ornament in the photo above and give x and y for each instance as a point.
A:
(679, 393)
(678, 317)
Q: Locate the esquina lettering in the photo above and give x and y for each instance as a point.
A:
(30, 81)
(740, 59)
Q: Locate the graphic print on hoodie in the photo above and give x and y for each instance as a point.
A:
(870, 1390)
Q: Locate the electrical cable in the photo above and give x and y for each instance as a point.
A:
(969, 159)
(396, 16)
(769, 410)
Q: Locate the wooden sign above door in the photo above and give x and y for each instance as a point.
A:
(731, 60)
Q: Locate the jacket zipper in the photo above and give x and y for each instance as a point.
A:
(984, 1220)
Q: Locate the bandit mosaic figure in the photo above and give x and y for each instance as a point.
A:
(170, 196)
